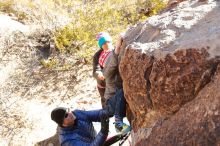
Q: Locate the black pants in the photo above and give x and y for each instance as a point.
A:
(102, 92)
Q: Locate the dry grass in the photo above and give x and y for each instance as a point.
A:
(48, 14)
(28, 81)
(26, 85)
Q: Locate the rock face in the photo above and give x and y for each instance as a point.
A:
(170, 66)
(196, 123)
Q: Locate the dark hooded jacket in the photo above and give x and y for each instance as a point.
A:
(97, 68)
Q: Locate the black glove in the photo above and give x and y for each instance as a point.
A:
(104, 123)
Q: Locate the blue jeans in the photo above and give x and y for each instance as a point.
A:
(116, 105)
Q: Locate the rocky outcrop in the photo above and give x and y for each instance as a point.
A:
(196, 123)
(170, 71)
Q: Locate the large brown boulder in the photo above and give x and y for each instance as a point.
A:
(168, 64)
(196, 123)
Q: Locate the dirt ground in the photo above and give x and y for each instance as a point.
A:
(29, 92)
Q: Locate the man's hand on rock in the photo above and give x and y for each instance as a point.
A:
(119, 43)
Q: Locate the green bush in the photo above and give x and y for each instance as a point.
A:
(96, 16)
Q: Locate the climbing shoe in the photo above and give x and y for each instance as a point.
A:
(122, 127)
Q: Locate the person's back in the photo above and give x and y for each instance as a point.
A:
(111, 73)
(110, 78)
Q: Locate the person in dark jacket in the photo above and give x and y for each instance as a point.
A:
(98, 62)
(114, 95)
(76, 128)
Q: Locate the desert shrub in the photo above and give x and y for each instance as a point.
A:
(8, 7)
(112, 16)
(88, 18)
(50, 63)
